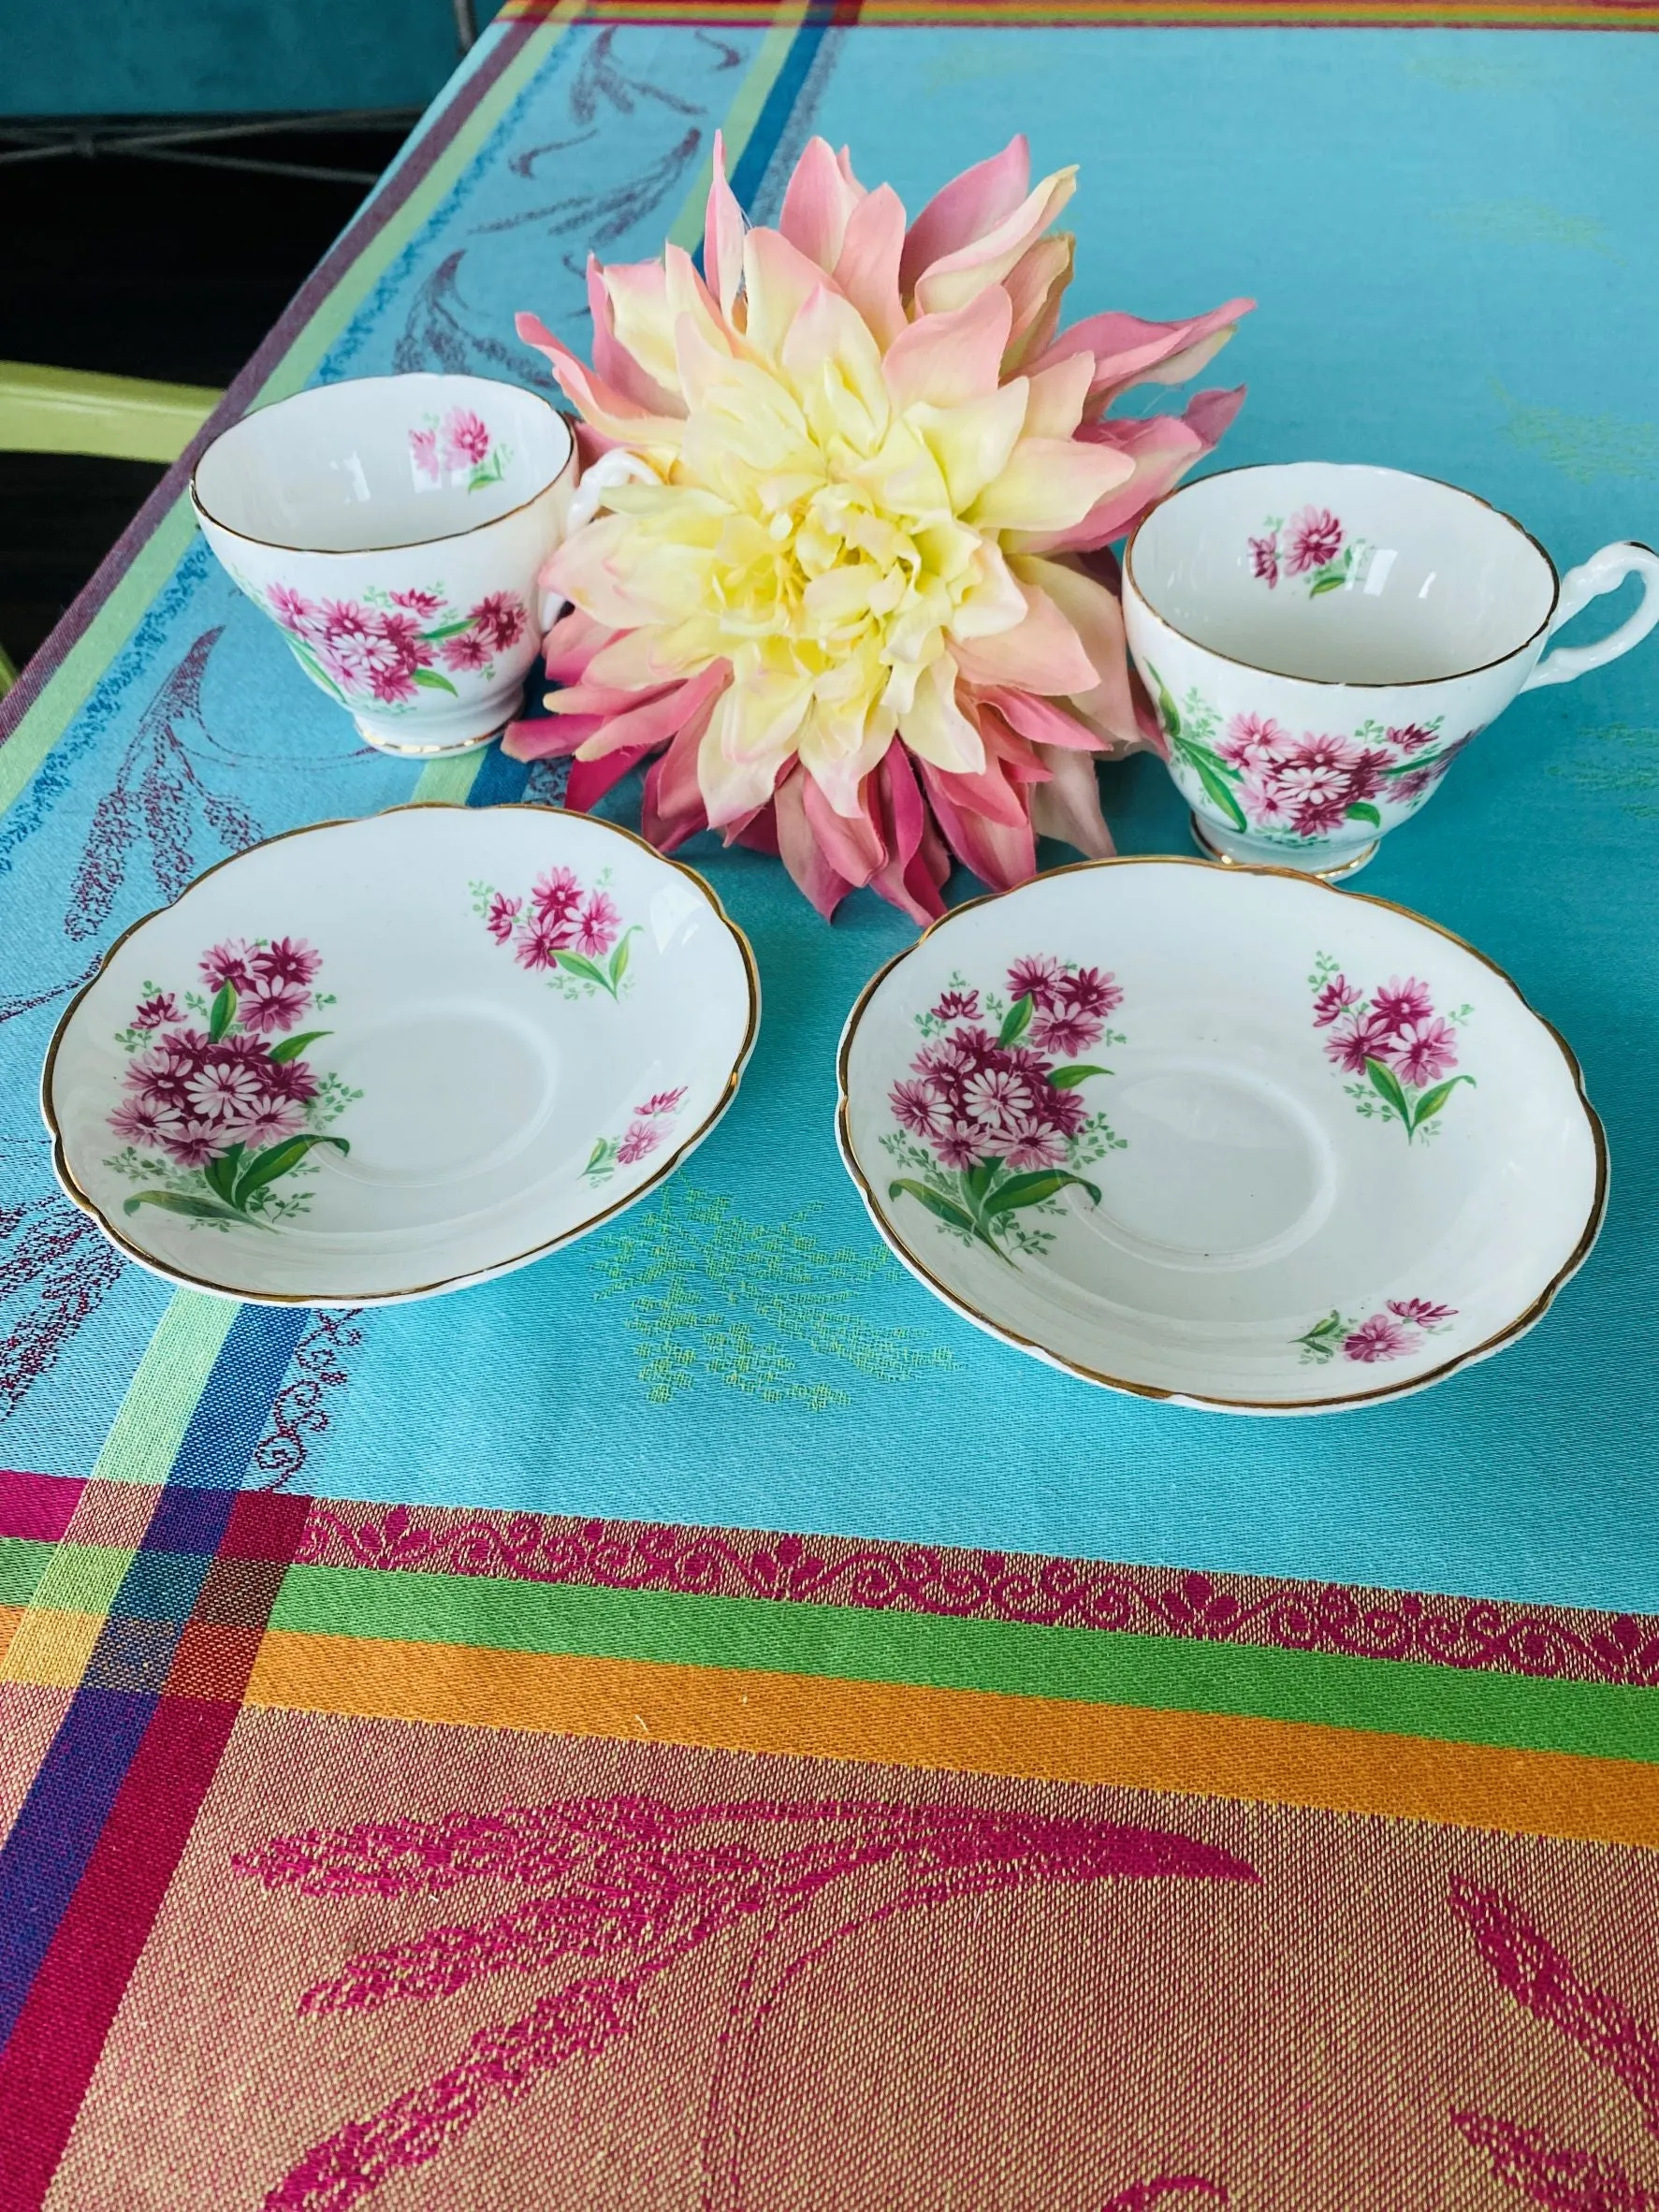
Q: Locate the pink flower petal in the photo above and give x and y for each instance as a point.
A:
(1041, 722)
(722, 235)
(612, 361)
(1068, 806)
(605, 408)
(1096, 616)
(867, 268)
(571, 643)
(1043, 653)
(778, 281)
(946, 360)
(999, 855)
(549, 738)
(916, 865)
(591, 779)
(1049, 484)
(851, 843)
(645, 726)
(954, 279)
(800, 851)
(967, 207)
(1129, 350)
(818, 204)
(1160, 449)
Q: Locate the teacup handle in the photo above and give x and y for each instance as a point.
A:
(1603, 572)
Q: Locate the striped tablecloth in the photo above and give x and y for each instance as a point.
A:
(419, 1772)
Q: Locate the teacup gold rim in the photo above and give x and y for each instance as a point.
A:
(1409, 1385)
(88, 1204)
(443, 537)
(1325, 683)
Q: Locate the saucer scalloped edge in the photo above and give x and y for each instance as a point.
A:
(1221, 1136)
(378, 1059)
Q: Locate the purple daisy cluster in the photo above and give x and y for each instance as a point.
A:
(971, 1096)
(380, 652)
(460, 443)
(193, 1096)
(560, 916)
(1396, 1026)
(1310, 541)
(1303, 784)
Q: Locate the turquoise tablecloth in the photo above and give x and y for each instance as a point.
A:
(1451, 238)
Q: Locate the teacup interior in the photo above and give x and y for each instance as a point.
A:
(1342, 575)
(382, 461)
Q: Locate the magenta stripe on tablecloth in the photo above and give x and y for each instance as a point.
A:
(1482, 1634)
(38, 1505)
(39, 670)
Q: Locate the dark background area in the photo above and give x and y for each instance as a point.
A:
(151, 267)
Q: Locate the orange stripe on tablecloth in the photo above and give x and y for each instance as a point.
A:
(9, 1617)
(977, 1731)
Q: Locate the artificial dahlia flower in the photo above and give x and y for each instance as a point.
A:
(854, 592)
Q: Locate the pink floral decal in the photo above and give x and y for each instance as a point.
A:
(1399, 1050)
(646, 1132)
(1312, 543)
(388, 647)
(571, 933)
(1264, 780)
(1400, 1328)
(219, 1106)
(990, 1127)
(458, 448)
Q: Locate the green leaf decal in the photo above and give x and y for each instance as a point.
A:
(581, 965)
(1216, 787)
(1166, 706)
(1431, 1101)
(219, 1175)
(446, 630)
(1360, 811)
(935, 1202)
(1410, 766)
(1016, 1021)
(619, 958)
(314, 669)
(1329, 583)
(1385, 1084)
(1068, 1079)
(223, 1012)
(276, 1160)
(291, 1047)
(1033, 1188)
(980, 1178)
(434, 682)
(179, 1201)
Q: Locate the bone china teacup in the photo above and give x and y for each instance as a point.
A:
(1321, 641)
(392, 528)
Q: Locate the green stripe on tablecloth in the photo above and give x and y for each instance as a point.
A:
(1090, 1665)
(149, 1424)
(79, 1578)
(23, 1562)
(72, 683)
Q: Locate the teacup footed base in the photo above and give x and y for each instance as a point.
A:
(377, 737)
(1246, 852)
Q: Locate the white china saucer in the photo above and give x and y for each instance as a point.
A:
(1220, 1135)
(377, 1059)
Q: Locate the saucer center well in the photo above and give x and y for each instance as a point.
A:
(1220, 1166)
(450, 1089)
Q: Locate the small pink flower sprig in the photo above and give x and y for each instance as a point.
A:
(1387, 1336)
(646, 1133)
(851, 596)
(571, 935)
(458, 448)
(1312, 545)
(1392, 1041)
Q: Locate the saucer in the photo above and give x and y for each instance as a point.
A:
(1221, 1136)
(377, 1059)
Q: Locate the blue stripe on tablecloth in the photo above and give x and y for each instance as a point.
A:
(63, 1816)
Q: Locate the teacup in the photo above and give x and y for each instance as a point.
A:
(392, 528)
(1320, 641)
